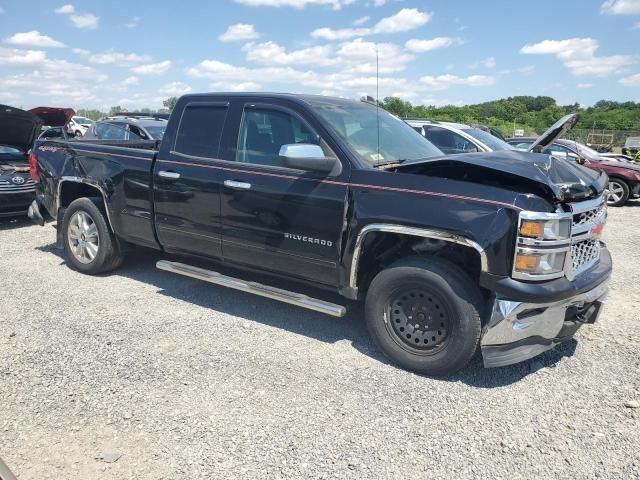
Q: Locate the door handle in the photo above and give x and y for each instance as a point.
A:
(237, 185)
(169, 175)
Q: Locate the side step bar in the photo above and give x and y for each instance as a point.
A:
(252, 287)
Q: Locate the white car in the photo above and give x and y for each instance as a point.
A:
(79, 125)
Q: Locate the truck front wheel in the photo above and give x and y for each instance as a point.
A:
(88, 242)
(424, 314)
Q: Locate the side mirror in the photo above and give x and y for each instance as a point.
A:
(581, 160)
(306, 156)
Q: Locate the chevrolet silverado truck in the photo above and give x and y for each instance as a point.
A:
(445, 254)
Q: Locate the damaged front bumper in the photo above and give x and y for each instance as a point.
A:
(517, 331)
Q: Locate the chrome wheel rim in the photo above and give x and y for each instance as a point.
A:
(420, 321)
(616, 192)
(83, 237)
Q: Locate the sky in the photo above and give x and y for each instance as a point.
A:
(135, 54)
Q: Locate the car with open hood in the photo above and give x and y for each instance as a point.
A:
(624, 177)
(18, 131)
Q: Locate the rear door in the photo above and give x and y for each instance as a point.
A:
(187, 181)
(278, 219)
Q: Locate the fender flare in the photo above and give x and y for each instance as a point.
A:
(91, 183)
(413, 232)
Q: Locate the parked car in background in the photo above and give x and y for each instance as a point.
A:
(624, 178)
(79, 125)
(18, 130)
(125, 128)
(447, 254)
(453, 137)
(60, 133)
(632, 147)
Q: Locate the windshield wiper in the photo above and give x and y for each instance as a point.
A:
(386, 165)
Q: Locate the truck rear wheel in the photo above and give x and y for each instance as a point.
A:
(424, 314)
(88, 242)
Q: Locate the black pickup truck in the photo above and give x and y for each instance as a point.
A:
(500, 249)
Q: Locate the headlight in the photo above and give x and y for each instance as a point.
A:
(539, 263)
(542, 245)
(546, 229)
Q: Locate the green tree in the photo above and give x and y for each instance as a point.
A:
(170, 103)
(116, 109)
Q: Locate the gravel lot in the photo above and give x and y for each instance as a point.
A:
(144, 375)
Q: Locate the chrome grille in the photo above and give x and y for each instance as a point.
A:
(584, 255)
(593, 216)
(7, 186)
(585, 245)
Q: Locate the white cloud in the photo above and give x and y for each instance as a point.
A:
(175, 89)
(112, 57)
(420, 46)
(235, 87)
(356, 56)
(621, 7)
(15, 57)
(33, 39)
(133, 23)
(152, 68)
(443, 82)
(578, 55)
(298, 4)
(376, 3)
(239, 31)
(130, 81)
(84, 21)
(488, 62)
(584, 85)
(361, 21)
(631, 81)
(66, 9)
(404, 20)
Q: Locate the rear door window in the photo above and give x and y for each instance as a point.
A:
(200, 130)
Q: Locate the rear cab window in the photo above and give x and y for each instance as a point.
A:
(200, 130)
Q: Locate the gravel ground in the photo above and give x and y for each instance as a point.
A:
(144, 375)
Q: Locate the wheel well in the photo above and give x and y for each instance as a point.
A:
(381, 249)
(620, 179)
(71, 191)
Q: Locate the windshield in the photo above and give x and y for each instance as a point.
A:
(82, 120)
(632, 142)
(357, 124)
(587, 151)
(156, 132)
(6, 150)
(494, 143)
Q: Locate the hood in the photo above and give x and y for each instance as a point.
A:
(624, 165)
(557, 130)
(522, 171)
(18, 128)
(54, 116)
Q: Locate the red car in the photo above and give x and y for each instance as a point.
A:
(624, 178)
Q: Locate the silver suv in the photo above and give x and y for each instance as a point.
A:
(457, 137)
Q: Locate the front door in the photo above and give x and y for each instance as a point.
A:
(187, 183)
(279, 219)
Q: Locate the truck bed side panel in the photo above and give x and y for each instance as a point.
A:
(123, 174)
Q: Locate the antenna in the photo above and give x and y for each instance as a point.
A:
(378, 101)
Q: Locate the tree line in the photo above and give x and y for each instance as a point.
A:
(533, 114)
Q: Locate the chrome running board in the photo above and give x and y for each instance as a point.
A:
(253, 287)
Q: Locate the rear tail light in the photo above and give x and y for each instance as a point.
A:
(33, 167)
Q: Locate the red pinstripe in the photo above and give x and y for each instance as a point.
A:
(328, 182)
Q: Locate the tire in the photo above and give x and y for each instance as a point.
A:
(89, 244)
(618, 192)
(443, 301)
